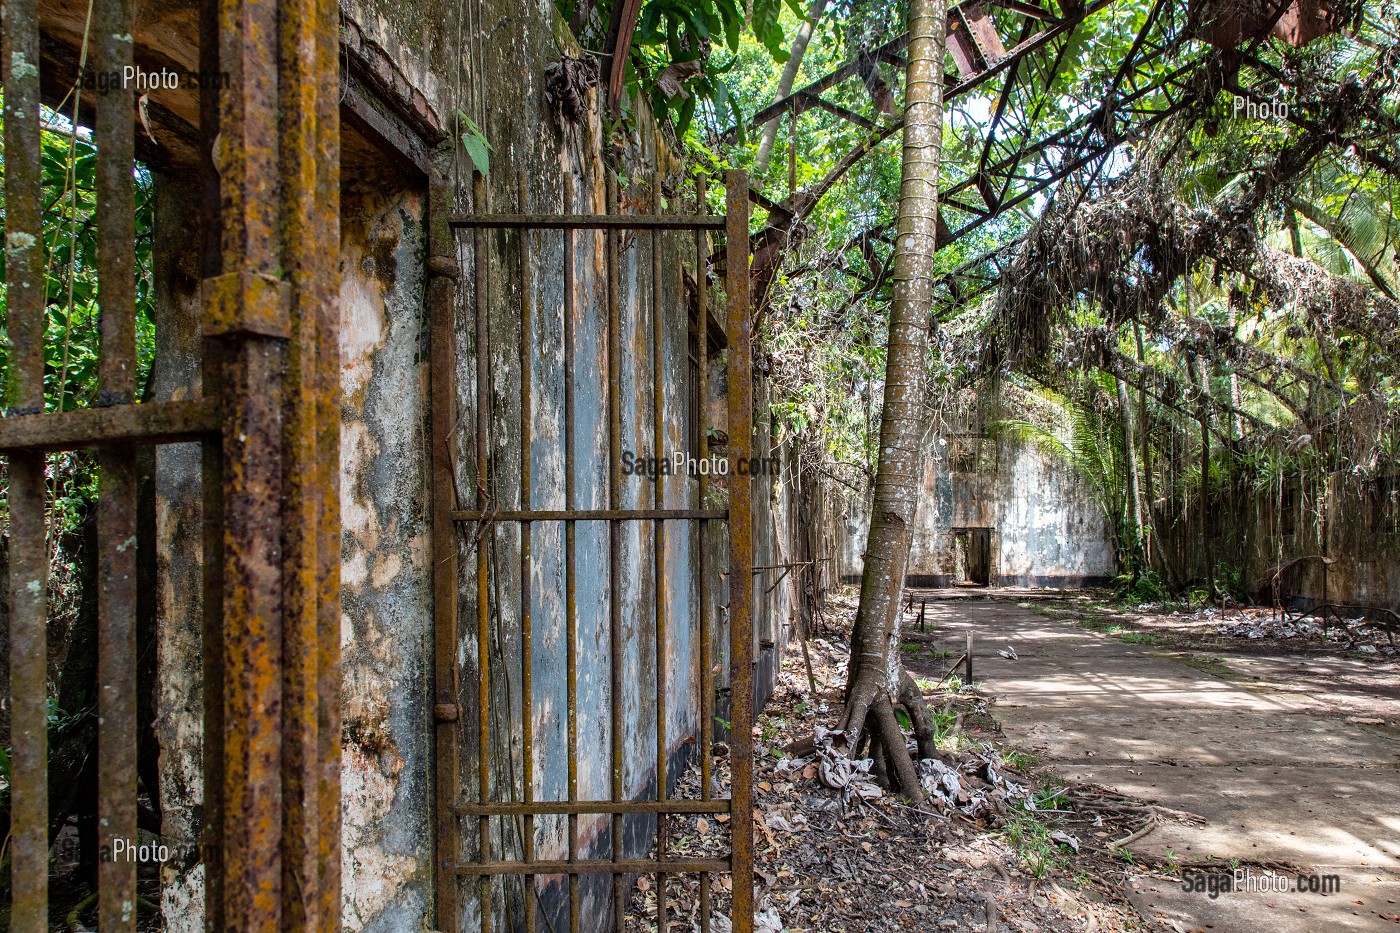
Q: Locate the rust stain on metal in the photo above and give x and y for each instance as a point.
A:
(442, 300)
(741, 672)
(148, 423)
(29, 802)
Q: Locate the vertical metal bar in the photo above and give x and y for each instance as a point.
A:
(483, 587)
(24, 321)
(570, 591)
(252, 801)
(304, 256)
(442, 302)
(252, 637)
(612, 239)
(212, 579)
(658, 406)
(527, 714)
(250, 221)
(706, 677)
(116, 506)
(212, 480)
(327, 279)
(740, 546)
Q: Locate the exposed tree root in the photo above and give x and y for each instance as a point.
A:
(905, 777)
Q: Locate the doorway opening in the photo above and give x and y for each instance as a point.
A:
(972, 556)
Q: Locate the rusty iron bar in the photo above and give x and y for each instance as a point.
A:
(24, 394)
(326, 279)
(148, 423)
(309, 145)
(246, 310)
(527, 725)
(705, 662)
(587, 515)
(483, 609)
(252, 637)
(212, 367)
(577, 807)
(658, 403)
(601, 867)
(114, 134)
(570, 542)
(442, 300)
(613, 247)
(212, 628)
(741, 634)
(609, 221)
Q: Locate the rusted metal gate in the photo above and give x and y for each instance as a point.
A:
(491, 871)
(268, 422)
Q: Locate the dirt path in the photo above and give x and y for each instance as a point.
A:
(1278, 776)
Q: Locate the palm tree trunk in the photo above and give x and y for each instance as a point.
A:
(876, 669)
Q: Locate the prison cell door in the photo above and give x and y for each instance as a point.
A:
(566, 704)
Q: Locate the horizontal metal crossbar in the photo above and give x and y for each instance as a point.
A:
(147, 423)
(592, 867)
(589, 221)
(590, 515)
(565, 807)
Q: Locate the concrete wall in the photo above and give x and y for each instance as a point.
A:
(386, 599)
(1046, 528)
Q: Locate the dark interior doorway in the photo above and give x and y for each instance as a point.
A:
(972, 556)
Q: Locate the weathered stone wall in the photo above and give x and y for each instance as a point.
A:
(385, 571)
(175, 375)
(1046, 529)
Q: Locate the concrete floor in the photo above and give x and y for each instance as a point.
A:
(1275, 778)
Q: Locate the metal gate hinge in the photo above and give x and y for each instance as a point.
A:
(448, 712)
(247, 303)
(444, 266)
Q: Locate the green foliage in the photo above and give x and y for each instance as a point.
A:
(478, 147)
(1134, 589)
(1029, 834)
(685, 32)
(68, 174)
(68, 164)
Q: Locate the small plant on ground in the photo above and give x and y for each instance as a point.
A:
(1028, 834)
(1138, 638)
